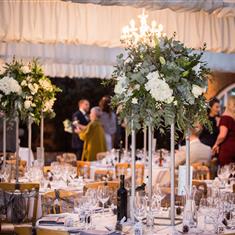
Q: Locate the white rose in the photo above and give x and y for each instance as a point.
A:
(137, 87)
(45, 84)
(134, 101)
(197, 90)
(49, 105)
(25, 69)
(23, 83)
(27, 104)
(33, 88)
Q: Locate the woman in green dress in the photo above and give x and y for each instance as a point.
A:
(93, 136)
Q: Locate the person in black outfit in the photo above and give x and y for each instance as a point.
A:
(206, 137)
(80, 117)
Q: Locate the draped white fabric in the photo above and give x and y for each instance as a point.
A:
(82, 40)
(68, 22)
(87, 61)
(222, 8)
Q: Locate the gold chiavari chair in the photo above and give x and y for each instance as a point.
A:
(18, 204)
(121, 168)
(58, 201)
(83, 168)
(44, 231)
(101, 175)
(139, 169)
(46, 169)
(200, 171)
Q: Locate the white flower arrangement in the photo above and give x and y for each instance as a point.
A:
(160, 82)
(27, 92)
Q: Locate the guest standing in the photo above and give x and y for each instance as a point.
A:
(207, 137)
(93, 136)
(108, 120)
(80, 117)
(225, 142)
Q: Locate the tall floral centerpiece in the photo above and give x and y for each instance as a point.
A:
(159, 82)
(26, 94)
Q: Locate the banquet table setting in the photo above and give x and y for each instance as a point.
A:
(73, 201)
(117, 117)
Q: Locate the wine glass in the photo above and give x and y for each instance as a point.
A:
(140, 205)
(91, 194)
(203, 210)
(103, 194)
(158, 195)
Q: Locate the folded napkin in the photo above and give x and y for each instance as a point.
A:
(97, 232)
(55, 220)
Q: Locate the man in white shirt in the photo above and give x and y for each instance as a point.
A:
(199, 152)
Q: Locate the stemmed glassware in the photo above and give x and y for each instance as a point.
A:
(158, 196)
(103, 195)
(140, 206)
(223, 174)
(91, 195)
(203, 210)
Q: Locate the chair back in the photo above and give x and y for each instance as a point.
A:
(139, 169)
(103, 174)
(83, 168)
(58, 201)
(44, 231)
(19, 202)
(200, 171)
(121, 168)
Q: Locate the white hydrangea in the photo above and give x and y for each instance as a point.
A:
(46, 85)
(49, 105)
(197, 90)
(121, 85)
(10, 85)
(158, 88)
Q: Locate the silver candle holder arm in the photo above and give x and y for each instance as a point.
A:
(172, 215)
(4, 141)
(133, 173)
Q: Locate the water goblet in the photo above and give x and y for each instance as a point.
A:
(103, 195)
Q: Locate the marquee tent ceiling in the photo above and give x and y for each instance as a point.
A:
(221, 8)
(82, 40)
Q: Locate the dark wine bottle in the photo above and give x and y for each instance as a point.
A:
(122, 200)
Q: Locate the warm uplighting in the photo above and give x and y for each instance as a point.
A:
(131, 35)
